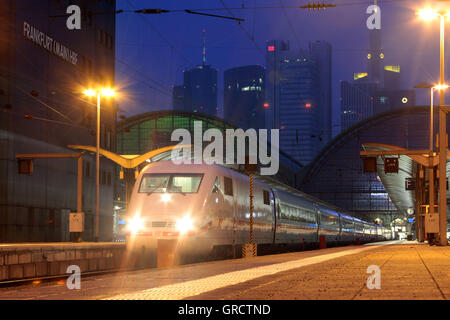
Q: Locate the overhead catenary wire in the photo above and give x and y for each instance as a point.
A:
(152, 26)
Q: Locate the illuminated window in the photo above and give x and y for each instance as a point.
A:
(381, 55)
(271, 48)
(308, 105)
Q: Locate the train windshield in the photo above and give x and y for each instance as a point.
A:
(172, 183)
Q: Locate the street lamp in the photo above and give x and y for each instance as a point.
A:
(106, 92)
(429, 14)
(425, 85)
(431, 152)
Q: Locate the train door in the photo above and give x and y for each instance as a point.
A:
(229, 191)
(273, 204)
(317, 212)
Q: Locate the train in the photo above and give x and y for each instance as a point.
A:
(206, 209)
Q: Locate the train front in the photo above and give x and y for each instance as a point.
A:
(168, 203)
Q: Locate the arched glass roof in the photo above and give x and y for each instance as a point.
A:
(153, 130)
(336, 174)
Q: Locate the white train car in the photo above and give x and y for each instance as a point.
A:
(206, 207)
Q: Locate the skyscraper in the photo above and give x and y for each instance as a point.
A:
(178, 98)
(298, 91)
(244, 97)
(375, 56)
(276, 50)
(374, 91)
(357, 101)
(300, 131)
(320, 52)
(199, 88)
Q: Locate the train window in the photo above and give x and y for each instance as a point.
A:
(228, 186)
(154, 183)
(266, 196)
(185, 184)
(173, 183)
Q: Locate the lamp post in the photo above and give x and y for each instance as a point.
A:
(106, 92)
(429, 14)
(431, 151)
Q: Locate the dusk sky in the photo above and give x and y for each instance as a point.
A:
(153, 50)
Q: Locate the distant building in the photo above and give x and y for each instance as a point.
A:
(375, 56)
(244, 97)
(276, 50)
(320, 51)
(300, 130)
(298, 91)
(375, 91)
(200, 90)
(392, 77)
(42, 66)
(178, 98)
(357, 101)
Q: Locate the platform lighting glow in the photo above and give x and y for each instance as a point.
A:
(135, 224)
(441, 87)
(184, 224)
(428, 14)
(165, 197)
(107, 92)
(90, 92)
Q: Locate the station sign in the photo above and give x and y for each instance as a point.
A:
(432, 223)
(43, 40)
(410, 184)
(76, 222)
(391, 165)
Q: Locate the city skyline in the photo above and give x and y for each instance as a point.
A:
(350, 42)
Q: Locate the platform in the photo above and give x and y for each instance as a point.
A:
(408, 270)
(23, 261)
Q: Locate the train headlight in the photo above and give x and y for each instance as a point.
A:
(135, 224)
(184, 224)
(165, 197)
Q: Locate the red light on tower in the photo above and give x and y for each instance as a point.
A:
(270, 48)
(266, 105)
(308, 105)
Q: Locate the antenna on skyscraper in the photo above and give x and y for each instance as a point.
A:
(204, 48)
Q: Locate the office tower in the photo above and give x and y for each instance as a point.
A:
(357, 101)
(200, 90)
(375, 91)
(276, 50)
(178, 98)
(244, 97)
(298, 91)
(375, 56)
(320, 51)
(298, 115)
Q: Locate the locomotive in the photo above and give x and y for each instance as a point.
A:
(206, 209)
